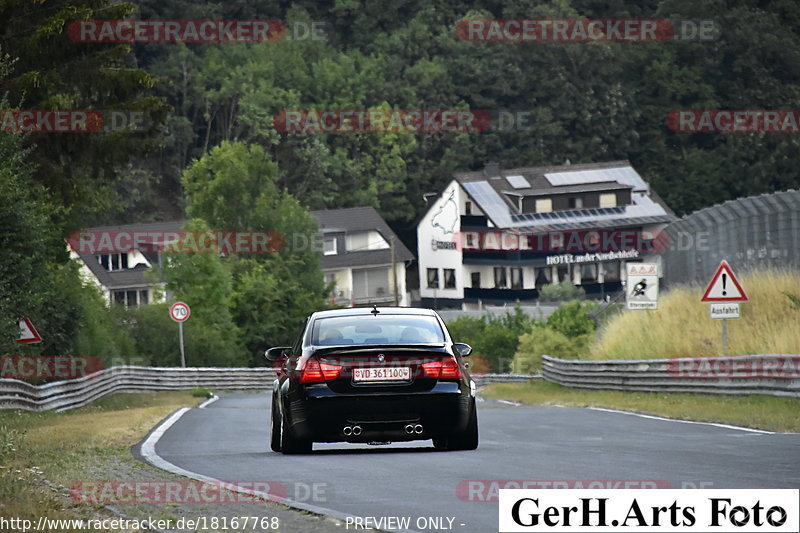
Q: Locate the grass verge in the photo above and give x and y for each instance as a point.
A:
(59, 447)
(755, 411)
(681, 327)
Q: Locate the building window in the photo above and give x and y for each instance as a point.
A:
(467, 208)
(476, 280)
(365, 240)
(544, 205)
(563, 273)
(543, 277)
(500, 281)
(433, 278)
(112, 262)
(449, 278)
(329, 246)
(588, 273)
(369, 283)
(608, 200)
(611, 271)
(575, 203)
(516, 278)
(130, 297)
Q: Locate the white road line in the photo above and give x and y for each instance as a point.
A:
(208, 402)
(148, 451)
(515, 404)
(652, 417)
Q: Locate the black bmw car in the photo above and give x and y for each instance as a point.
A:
(373, 376)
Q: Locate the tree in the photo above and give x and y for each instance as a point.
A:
(51, 71)
(234, 188)
(204, 282)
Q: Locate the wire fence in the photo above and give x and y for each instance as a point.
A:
(755, 232)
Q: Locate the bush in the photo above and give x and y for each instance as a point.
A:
(495, 339)
(155, 334)
(101, 332)
(572, 319)
(205, 343)
(566, 335)
(542, 340)
(561, 292)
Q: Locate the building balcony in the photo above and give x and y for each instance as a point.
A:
(499, 295)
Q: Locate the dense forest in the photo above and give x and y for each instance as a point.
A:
(210, 103)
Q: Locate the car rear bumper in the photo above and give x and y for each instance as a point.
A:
(321, 415)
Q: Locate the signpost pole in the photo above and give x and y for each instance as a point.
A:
(180, 335)
(724, 337)
(179, 312)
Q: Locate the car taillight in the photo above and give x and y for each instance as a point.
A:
(447, 369)
(316, 372)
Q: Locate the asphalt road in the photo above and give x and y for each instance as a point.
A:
(228, 440)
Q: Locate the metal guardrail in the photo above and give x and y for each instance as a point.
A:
(775, 374)
(69, 394)
(63, 395)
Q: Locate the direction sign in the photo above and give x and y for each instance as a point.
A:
(641, 290)
(725, 310)
(179, 312)
(28, 333)
(724, 286)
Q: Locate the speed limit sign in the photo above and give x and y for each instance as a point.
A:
(179, 312)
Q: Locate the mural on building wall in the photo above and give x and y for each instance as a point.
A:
(446, 217)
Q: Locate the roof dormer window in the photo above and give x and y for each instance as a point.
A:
(112, 262)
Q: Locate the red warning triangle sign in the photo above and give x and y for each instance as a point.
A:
(724, 286)
(28, 333)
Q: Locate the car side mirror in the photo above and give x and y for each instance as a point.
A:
(461, 348)
(276, 353)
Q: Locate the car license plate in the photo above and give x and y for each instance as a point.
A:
(392, 373)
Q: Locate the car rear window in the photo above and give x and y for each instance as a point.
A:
(381, 329)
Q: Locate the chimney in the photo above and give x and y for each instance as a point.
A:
(492, 169)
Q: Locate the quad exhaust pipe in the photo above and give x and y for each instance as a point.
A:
(413, 428)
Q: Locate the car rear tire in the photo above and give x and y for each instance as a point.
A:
(465, 440)
(290, 445)
(275, 441)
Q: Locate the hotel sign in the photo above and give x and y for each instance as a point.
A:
(567, 259)
(443, 245)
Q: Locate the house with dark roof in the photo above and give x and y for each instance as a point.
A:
(363, 256)
(499, 236)
(121, 272)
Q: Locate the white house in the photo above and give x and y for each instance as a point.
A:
(121, 275)
(498, 236)
(358, 255)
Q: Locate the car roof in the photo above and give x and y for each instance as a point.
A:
(361, 311)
